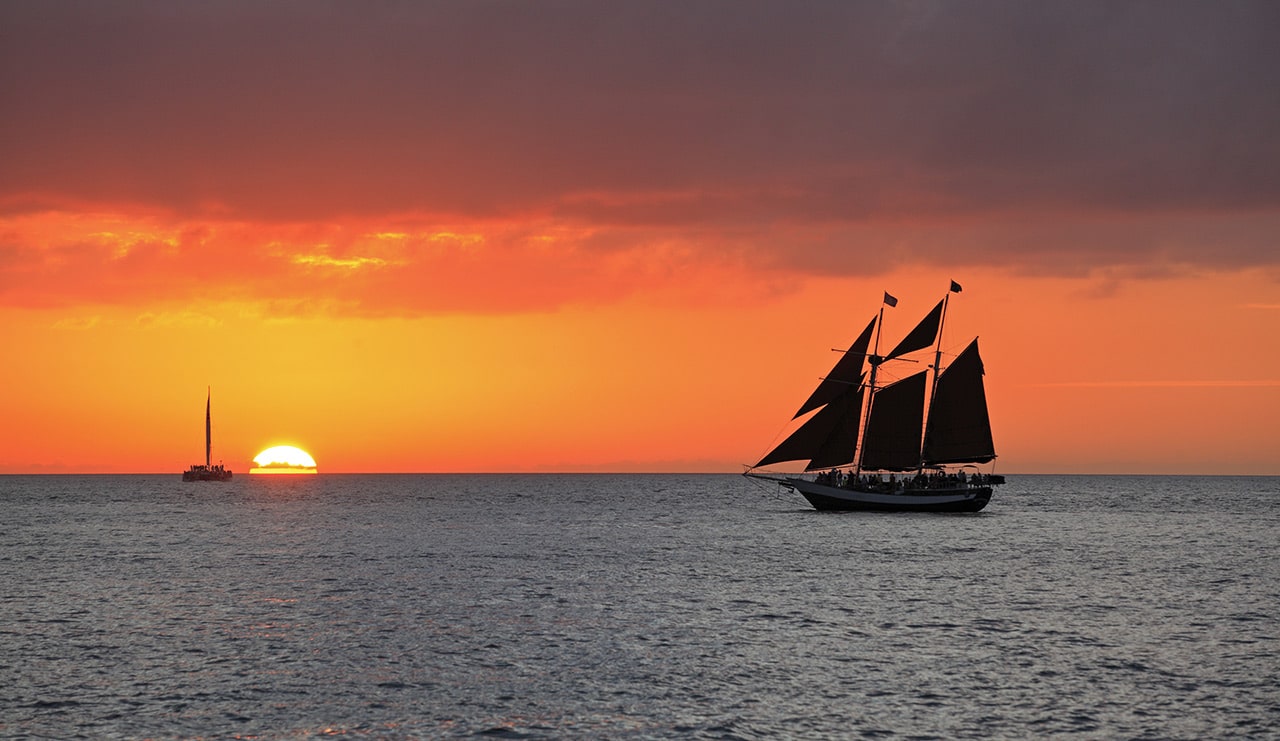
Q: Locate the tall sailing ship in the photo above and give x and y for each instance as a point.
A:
(207, 472)
(911, 445)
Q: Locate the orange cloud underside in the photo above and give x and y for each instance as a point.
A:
(409, 266)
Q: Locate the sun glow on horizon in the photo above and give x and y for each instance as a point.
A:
(284, 459)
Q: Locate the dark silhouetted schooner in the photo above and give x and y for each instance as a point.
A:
(207, 472)
(912, 445)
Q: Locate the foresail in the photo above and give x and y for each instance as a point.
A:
(824, 436)
(922, 336)
(892, 439)
(806, 441)
(841, 444)
(843, 377)
(959, 429)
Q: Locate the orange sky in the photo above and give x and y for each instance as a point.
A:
(565, 238)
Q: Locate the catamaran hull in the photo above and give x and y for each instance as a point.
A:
(206, 475)
(968, 499)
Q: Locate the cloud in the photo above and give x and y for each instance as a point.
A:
(1063, 137)
(407, 268)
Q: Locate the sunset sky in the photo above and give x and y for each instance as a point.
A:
(614, 236)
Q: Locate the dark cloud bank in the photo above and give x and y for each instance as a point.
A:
(1004, 129)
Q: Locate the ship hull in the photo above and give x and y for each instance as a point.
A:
(833, 498)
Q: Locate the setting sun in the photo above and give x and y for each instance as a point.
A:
(284, 459)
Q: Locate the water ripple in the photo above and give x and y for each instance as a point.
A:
(634, 607)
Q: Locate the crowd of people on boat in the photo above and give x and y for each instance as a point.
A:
(880, 483)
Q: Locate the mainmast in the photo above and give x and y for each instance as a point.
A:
(208, 431)
(937, 370)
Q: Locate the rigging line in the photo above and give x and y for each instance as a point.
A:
(774, 492)
(837, 380)
(773, 443)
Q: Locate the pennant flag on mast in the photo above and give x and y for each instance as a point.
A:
(955, 287)
(891, 301)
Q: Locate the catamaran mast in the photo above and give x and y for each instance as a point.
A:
(208, 431)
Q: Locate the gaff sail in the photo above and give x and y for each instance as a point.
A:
(892, 439)
(959, 428)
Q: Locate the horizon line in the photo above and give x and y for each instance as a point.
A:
(310, 473)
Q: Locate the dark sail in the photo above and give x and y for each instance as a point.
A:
(806, 441)
(208, 433)
(892, 441)
(842, 441)
(821, 435)
(922, 336)
(959, 429)
(845, 376)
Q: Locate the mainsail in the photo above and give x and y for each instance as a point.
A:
(892, 441)
(959, 428)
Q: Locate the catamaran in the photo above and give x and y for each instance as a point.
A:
(207, 472)
(913, 456)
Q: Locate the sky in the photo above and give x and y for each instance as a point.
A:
(625, 236)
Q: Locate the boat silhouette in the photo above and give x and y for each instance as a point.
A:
(883, 447)
(208, 471)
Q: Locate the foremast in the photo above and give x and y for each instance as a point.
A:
(874, 360)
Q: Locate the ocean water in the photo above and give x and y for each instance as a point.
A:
(634, 606)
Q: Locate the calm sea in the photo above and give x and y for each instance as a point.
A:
(634, 606)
